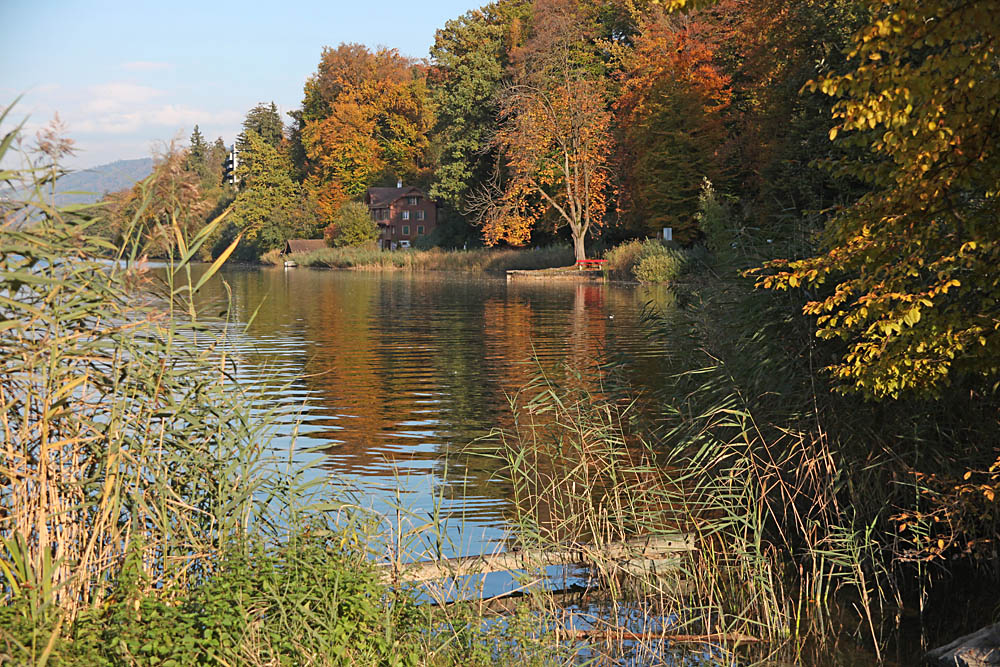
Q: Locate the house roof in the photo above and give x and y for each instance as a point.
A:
(382, 197)
(303, 245)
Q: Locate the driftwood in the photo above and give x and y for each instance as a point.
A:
(632, 552)
(979, 649)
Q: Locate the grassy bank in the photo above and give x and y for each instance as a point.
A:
(482, 260)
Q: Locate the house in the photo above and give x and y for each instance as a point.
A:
(403, 214)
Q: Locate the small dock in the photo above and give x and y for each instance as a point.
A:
(568, 275)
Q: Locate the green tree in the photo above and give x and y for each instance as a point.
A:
(270, 208)
(353, 226)
(266, 122)
(470, 58)
(909, 274)
(197, 159)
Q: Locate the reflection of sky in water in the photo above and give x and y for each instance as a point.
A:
(392, 375)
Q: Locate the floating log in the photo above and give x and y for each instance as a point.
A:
(651, 548)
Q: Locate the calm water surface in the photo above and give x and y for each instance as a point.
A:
(395, 374)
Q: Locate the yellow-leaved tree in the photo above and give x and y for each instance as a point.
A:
(909, 276)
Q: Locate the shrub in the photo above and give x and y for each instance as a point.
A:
(648, 261)
(660, 267)
(622, 258)
(272, 257)
(353, 226)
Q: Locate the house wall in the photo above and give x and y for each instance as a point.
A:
(393, 228)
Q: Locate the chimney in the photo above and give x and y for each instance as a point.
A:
(399, 183)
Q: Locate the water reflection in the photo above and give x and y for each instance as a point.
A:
(397, 373)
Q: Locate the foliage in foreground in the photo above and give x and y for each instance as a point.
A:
(143, 518)
(301, 602)
(907, 279)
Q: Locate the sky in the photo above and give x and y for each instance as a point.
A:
(126, 78)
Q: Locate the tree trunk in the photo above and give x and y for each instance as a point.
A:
(578, 248)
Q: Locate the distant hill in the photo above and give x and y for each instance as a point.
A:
(102, 179)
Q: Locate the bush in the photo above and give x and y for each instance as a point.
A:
(656, 269)
(353, 226)
(272, 257)
(648, 261)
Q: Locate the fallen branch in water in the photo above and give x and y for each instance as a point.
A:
(623, 635)
(651, 548)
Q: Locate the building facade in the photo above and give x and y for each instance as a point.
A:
(403, 215)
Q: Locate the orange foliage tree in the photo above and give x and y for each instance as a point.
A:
(365, 117)
(553, 135)
(670, 115)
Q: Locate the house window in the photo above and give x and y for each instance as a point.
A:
(406, 230)
(420, 230)
(412, 201)
(420, 215)
(406, 215)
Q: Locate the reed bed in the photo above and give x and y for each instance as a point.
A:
(481, 260)
(145, 517)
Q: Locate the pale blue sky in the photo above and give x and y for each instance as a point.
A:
(128, 76)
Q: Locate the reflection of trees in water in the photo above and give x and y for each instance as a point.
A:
(414, 367)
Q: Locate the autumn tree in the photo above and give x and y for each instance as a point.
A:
(670, 117)
(553, 135)
(365, 117)
(908, 277)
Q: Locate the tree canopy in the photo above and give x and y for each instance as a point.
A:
(907, 279)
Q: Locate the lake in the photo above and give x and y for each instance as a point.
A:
(394, 374)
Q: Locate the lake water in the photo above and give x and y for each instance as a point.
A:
(394, 374)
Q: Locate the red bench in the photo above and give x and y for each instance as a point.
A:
(585, 264)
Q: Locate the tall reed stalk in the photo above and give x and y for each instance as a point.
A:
(122, 435)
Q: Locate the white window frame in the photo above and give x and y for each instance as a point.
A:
(406, 215)
(406, 230)
(420, 230)
(420, 214)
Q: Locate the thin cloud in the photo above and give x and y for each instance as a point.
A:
(118, 97)
(168, 116)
